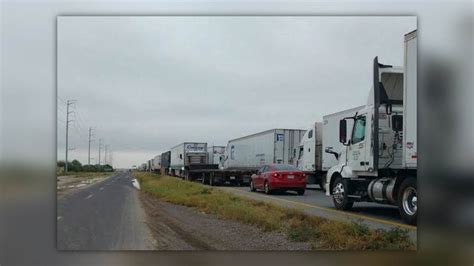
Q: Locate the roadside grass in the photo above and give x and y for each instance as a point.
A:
(85, 174)
(322, 233)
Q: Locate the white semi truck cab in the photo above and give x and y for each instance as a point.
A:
(378, 162)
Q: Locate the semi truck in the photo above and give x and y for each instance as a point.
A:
(148, 165)
(378, 161)
(243, 156)
(277, 146)
(165, 162)
(156, 163)
(189, 156)
(216, 154)
(312, 156)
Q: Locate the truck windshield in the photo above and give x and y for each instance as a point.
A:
(283, 167)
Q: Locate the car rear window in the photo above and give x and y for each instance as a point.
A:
(283, 167)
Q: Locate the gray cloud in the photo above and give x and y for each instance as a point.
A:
(148, 83)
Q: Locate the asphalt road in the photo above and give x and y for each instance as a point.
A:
(104, 216)
(315, 202)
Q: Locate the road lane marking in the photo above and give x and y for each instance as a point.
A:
(373, 219)
(90, 196)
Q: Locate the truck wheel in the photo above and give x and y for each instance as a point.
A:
(267, 189)
(301, 192)
(339, 195)
(408, 200)
(252, 188)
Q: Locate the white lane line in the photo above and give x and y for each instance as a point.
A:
(59, 218)
(90, 196)
(102, 188)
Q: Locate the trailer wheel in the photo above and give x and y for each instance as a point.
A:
(339, 195)
(408, 200)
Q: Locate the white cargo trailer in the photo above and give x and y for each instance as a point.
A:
(187, 156)
(319, 148)
(381, 165)
(244, 156)
(148, 165)
(215, 154)
(277, 146)
(156, 163)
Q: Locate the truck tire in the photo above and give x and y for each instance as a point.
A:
(339, 195)
(408, 200)
(252, 188)
(301, 192)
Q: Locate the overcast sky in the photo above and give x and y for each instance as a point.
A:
(146, 84)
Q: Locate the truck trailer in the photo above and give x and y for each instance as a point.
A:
(216, 154)
(156, 163)
(244, 156)
(189, 156)
(165, 162)
(381, 165)
(315, 155)
(274, 146)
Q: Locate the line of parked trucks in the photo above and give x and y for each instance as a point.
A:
(367, 153)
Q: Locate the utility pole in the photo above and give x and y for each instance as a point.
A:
(68, 103)
(100, 147)
(105, 154)
(89, 154)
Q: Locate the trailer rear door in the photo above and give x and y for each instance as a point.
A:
(409, 100)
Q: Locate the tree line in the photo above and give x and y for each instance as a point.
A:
(76, 166)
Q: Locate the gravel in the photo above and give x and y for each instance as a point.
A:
(177, 227)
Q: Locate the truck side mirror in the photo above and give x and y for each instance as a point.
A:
(343, 131)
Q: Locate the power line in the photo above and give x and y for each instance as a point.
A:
(89, 154)
(100, 147)
(69, 103)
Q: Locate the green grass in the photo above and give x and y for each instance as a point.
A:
(320, 232)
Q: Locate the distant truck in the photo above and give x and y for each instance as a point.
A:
(165, 158)
(243, 156)
(381, 165)
(156, 163)
(312, 158)
(148, 165)
(274, 146)
(189, 156)
(216, 154)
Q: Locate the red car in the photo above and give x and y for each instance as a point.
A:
(278, 177)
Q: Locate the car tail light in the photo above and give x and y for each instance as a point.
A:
(276, 174)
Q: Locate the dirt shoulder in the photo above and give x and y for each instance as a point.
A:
(263, 217)
(177, 227)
